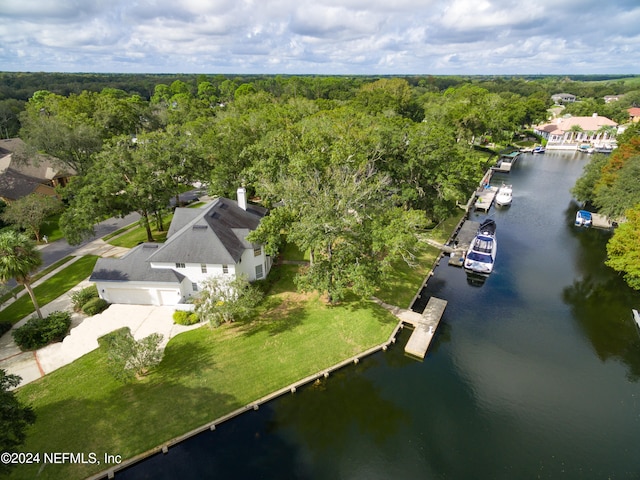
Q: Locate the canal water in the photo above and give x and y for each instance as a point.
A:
(534, 374)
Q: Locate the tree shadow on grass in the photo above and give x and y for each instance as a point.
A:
(183, 357)
(374, 310)
(127, 420)
(278, 315)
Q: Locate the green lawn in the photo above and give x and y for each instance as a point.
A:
(60, 283)
(404, 284)
(119, 231)
(137, 235)
(40, 274)
(51, 228)
(205, 374)
(400, 289)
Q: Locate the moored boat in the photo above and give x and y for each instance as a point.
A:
(583, 218)
(539, 149)
(481, 254)
(504, 195)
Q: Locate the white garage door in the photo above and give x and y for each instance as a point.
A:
(169, 297)
(131, 296)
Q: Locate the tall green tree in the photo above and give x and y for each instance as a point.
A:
(623, 193)
(15, 417)
(30, 212)
(19, 259)
(125, 178)
(63, 128)
(623, 249)
(348, 220)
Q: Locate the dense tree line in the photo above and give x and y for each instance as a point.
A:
(357, 165)
(610, 183)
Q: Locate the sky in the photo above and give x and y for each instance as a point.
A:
(332, 37)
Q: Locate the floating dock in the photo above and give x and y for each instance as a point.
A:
(425, 327)
(485, 198)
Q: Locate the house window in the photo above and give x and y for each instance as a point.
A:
(180, 265)
(194, 286)
(259, 271)
(203, 268)
(225, 268)
(257, 252)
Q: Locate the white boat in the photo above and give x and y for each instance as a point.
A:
(504, 195)
(636, 317)
(539, 149)
(481, 254)
(583, 218)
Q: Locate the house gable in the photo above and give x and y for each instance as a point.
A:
(202, 242)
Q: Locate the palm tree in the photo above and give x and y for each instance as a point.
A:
(19, 258)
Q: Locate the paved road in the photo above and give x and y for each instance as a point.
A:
(59, 249)
(54, 251)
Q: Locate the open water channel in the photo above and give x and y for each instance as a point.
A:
(535, 374)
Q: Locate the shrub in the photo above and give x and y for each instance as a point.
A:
(95, 306)
(81, 297)
(37, 333)
(129, 358)
(182, 317)
(5, 327)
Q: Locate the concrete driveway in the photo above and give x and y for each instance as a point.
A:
(83, 338)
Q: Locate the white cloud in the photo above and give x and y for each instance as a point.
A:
(321, 36)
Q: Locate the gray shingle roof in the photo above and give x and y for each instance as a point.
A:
(134, 267)
(14, 185)
(215, 235)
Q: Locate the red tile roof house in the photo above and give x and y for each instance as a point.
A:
(572, 132)
(201, 242)
(634, 114)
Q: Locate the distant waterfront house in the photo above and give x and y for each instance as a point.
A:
(563, 98)
(634, 114)
(612, 98)
(203, 242)
(19, 179)
(572, 132)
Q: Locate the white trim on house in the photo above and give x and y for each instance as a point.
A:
(211, 242)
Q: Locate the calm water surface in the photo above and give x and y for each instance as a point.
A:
(535, 374)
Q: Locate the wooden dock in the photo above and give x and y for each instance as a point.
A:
(425, 327)
(600, 221)
(462, 241)
(485, 198)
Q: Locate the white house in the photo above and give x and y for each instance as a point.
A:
(563, 98)
(204, 242)
(572, 132)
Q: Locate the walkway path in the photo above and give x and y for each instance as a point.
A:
(26, 364)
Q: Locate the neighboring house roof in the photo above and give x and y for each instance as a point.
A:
(634, 112)
(18, 179)
(134, 267)
(43, 168)
(563, 96)
(14, 185)
(587, 124)
(212, 235)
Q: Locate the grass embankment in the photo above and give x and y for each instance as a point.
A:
(57, 285)
(205, 374)
(400, 289)
(136, 235)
